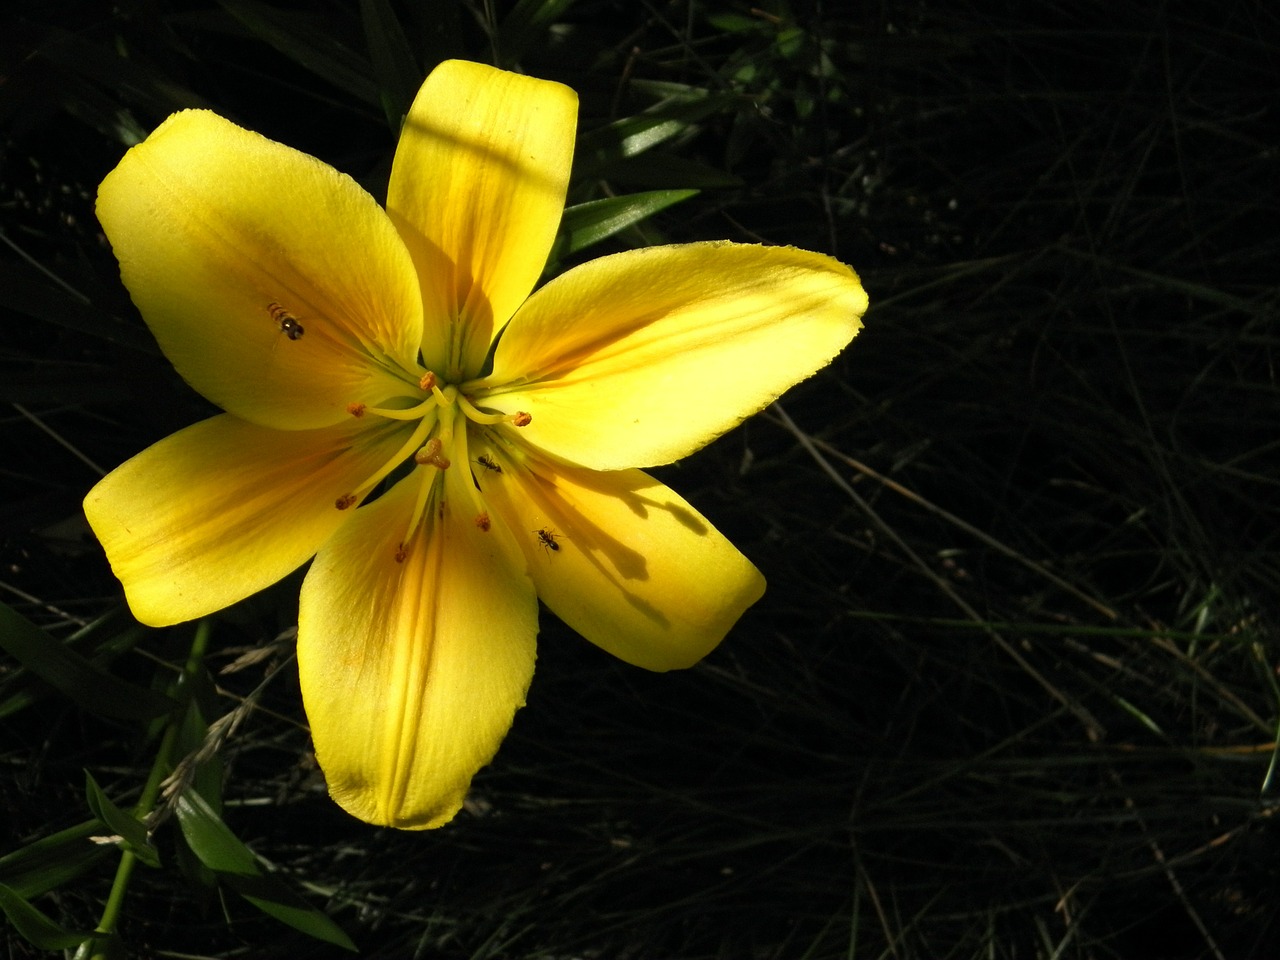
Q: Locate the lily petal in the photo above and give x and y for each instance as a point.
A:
(623, 560)
(412, 671)
(643, 357)
(224, 508)
(477, 190)
(223, 236)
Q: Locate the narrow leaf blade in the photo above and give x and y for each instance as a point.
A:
(124, 825)
(52, 861)
(35, 926)
(222, 851)
(79, 679)
(589, 223)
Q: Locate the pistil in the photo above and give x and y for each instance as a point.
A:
(431, 460)
(438, 440)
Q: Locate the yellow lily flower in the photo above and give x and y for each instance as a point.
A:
(448, 446)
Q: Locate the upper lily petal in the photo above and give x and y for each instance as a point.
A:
(643, 357)
(623, 559)
(224, 508)
(222, 235)
(414, 656)
(477, 190)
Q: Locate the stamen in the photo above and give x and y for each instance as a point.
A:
(482, 521)
(428, 382)
(356, 409)
(408, 413)
(473, 413)
(414, 441)
(431, 459)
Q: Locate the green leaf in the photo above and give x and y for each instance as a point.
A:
(297, 36)
(127, 827)
(589, 223)
(82, 681)
(212, 840)
(525, 26)
(634, 135)
(34, 291)
(394, 66)
(20, 688)
(193, 730)
(35, 926)
(222, 851)
(664, 170)
(98, 83)
(736, 23)
(207, 777)
(791, 42)
(50, 862)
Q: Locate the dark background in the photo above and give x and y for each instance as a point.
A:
(1012, 691)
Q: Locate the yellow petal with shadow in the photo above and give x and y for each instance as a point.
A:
(622, 559)
(412, 670)
(477, 190)
(276, 285)
(641, 358)
(223, 508)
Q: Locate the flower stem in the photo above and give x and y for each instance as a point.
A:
(100, 947)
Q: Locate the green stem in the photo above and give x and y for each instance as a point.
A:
(99, 947)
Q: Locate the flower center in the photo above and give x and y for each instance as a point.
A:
(435, 439)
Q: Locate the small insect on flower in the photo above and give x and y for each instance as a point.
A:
(549, 540)
(286, 321)
(488, 463)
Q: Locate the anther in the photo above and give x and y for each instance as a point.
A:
(522, 419)
(482, 521)
(345, 502)
(356, 409)
(430, 454)
(402, 552)
(428, 382)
